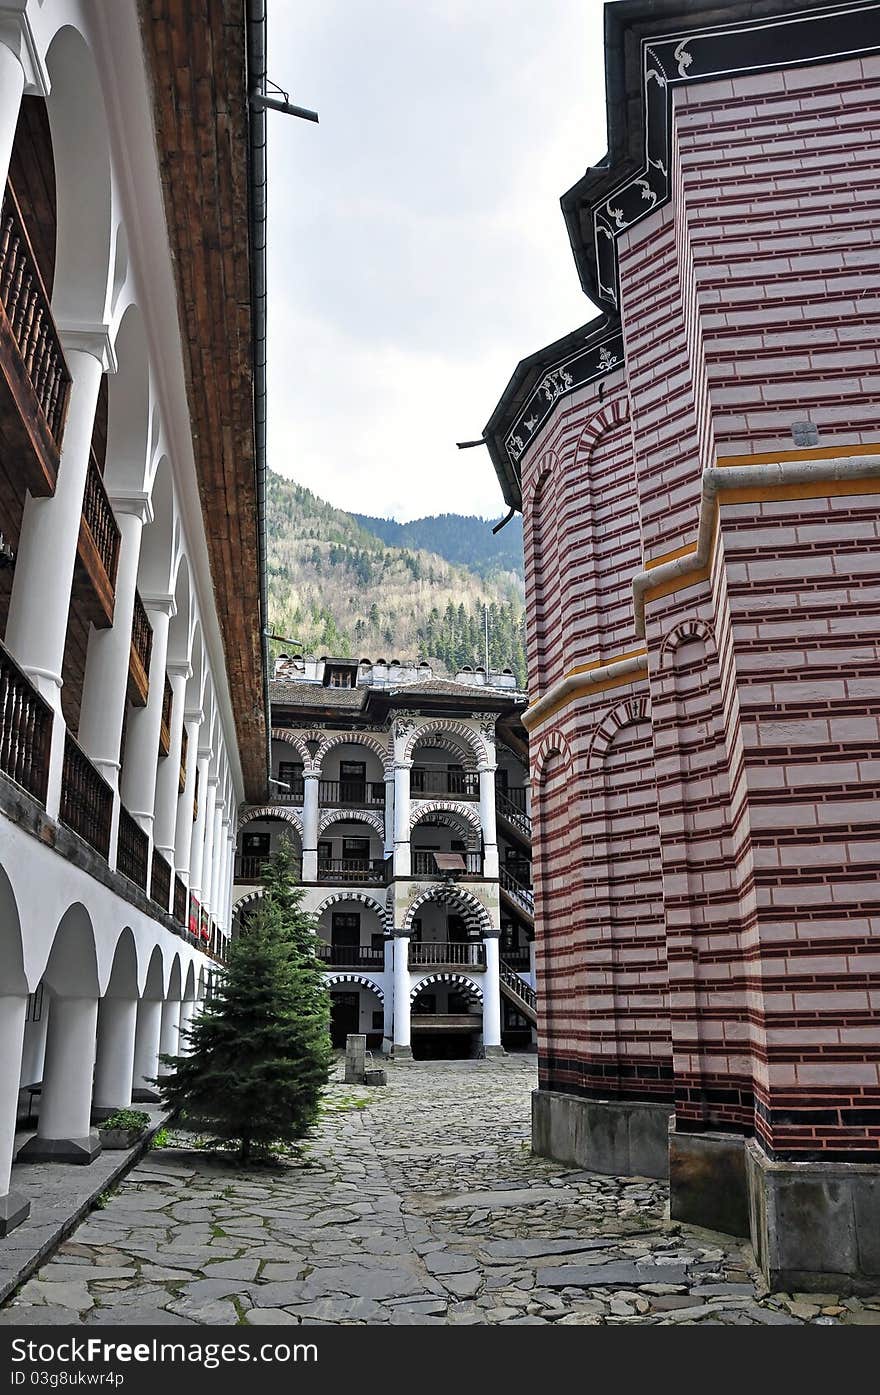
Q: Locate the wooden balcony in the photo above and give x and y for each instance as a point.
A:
(374, 871)
(469, 955)
(424, 864)
(165, 728)
(355, 794)
(94, 583)
(181, 902)
(181, 778)
(25, 729)
(86, 798)
(132, 850)
(350, 956)
(160, 880)
(452, 784)
(139, 656)
(34, 379)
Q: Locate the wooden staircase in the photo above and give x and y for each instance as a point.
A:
(518, 993)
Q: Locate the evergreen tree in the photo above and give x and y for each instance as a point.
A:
(260, 1052)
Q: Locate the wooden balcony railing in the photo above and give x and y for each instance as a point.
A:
(139, 658)
(350, 956)
(421, 953)
(521, 894)
(132, 850)
(424, 865)
(25, 729)
(86, 798)
(359, 794)
(181, 778)
(458, 784)
(511, 805)
(34, 368)
(375, 870)
(94, 582)
(250, 868)
(165, 728)
(160, 880)
(181, 902)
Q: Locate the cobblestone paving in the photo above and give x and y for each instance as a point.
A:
(425, 1206)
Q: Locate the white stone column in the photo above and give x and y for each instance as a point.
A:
(21, 71)
(169, 1030)
(138, 788)
(13, 1010)
(389, 814)
(64, 1131)
(388, 1004)
(487, 821)
(491, 998)
(311, 779)
(226, 874)
(146, 1049)
(183, 838)
(168, 774)
(402, 1034)
(36, 630)
(218, 844)
(114, 1063)
(402, 856)
(198, 834)
(188, 1009)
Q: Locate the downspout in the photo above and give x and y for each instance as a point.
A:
(257, 184)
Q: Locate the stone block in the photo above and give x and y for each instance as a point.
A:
(814, 1225)
(707, 1181)
(355, 1058)
(617, 1137)
(60, 1150)
(14, 1209)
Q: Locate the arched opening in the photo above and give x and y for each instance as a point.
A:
(356, 1005)
(258, 839)
(352, 775)
(447, 925)
(157, 546)
(446, 842)
(351, 848)
(351, 932)
(446, 1018)
(444, 765)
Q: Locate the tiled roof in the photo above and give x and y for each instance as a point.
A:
(316, 695)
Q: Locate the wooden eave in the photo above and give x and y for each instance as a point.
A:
(196, 60)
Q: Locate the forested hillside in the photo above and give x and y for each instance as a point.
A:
(338, 588)
(460, 538)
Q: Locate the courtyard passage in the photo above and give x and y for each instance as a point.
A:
(417, 1203)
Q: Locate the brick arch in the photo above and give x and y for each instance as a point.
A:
(270, 811)
(541, 551)
(685, 632)
(625, 714)
(357, 738)
(470, 831)
(546, 465)
(552, 744)
(474, 744)
(375, 820)
(615, 412)
(475, 915)
(362, 897)
(247, 900)
(333, 979)
(466, 813)
(471, 990)
(297, 739)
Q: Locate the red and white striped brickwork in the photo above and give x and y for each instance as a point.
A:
(707, 839)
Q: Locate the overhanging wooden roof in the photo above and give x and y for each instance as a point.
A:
(196, 54)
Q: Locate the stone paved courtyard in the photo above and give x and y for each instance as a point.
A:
(419, 1203)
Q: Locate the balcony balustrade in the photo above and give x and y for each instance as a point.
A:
(181, 778)
(521, 894)
(181, 902)
(165, 727)
(139, 658)
(350, 956)
(373, 870)
(160, 880)
(34, 378)
(356, 794)
(455, 784)
(132, 850)
(424, 865)
(86, 799)
(25, 729)
(426, 953)
(511, 805)
(98, 550)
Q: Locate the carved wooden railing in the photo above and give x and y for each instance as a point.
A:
(181, 778)
(361, 794)
(456, 784)
(27, 308)
(165, 728)
(510, 804)
(521, 894)
(350, 956)
(181, 902)
(141, 648)
(518, 992)
(132, 850)
(375, 870)
(86, 798)
(472, 956)
(99, 516)
(423, 865)
(160, 880)
(25, 729)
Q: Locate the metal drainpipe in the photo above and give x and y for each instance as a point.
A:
(256, 83)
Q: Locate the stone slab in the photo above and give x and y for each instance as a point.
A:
(707, 1181)
(615, 1137)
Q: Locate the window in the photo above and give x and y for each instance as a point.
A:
(290, 772)
(255, 844)
(378, 1021)
(356, 848)
(377, 941)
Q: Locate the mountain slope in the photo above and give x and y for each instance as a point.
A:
(461, 538)
(338, 588)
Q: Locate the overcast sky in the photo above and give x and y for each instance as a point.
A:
(416, 246)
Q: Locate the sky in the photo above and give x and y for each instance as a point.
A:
(417, 250)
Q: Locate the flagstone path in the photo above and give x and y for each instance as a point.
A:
(424, 1206)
